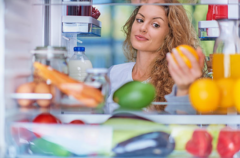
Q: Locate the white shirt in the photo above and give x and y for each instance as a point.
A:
(118, 75)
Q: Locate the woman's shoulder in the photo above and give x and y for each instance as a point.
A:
(121, 70)
(122, 67)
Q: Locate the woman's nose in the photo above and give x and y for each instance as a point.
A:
(143, 27)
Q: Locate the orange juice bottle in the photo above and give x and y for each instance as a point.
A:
(226, 66)
(226, 57)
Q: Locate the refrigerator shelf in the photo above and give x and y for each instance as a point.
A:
(129, 2)
(82, 26)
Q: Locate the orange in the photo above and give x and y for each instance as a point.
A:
(236, 95)
(204, 95)
(226, 86)
(184, 58)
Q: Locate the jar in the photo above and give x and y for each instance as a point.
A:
(51, 56)
(78, 64)
(226, 51)
(97, 77)
(79, 10)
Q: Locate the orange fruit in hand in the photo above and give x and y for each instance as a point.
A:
(236, 95)
(204, 95)
(184, 58)
(226, 86)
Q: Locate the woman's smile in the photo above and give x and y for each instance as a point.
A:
(141, 38)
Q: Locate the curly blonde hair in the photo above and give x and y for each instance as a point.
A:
(181, 31)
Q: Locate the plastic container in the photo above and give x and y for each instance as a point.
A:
(51, 56)
(122, 136)
(79, 10)
(216, 12)
(78, 64)
(98, 78)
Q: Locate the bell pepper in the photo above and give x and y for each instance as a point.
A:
(200, 144)
(228, 142)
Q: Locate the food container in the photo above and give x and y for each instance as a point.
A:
(122, 136)
(51, 56)
(54, 57)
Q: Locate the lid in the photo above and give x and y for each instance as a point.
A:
(79, 49)
(49, 49)
(97, 70)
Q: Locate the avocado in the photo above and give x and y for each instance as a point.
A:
(42, 146)
(134, 95)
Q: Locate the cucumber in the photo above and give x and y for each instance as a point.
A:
(134, 95)
(44, 147)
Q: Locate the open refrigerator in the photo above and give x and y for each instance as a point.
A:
(26, 24)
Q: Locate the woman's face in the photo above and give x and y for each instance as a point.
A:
(149, 28)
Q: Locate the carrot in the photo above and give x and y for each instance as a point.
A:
(88, 95)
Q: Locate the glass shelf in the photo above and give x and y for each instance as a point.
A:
(133, 2)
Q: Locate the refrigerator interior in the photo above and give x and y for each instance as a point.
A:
(23, 28)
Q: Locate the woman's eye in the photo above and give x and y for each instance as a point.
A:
(156, 25)
(139, 20)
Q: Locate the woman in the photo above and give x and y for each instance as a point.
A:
(151, 32)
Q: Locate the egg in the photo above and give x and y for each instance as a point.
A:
(26, 88)
(42, 87)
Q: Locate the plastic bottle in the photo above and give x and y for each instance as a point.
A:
(78, 64)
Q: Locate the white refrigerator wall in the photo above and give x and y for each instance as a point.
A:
(23, 32)
(20, 32)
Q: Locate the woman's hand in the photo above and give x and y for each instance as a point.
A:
(181, 73)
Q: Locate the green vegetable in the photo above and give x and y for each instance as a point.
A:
(134, 95)
(42, 146)
(126, 128)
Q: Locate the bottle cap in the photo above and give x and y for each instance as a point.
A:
(79, 49)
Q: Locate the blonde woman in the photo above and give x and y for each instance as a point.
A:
(152, 32)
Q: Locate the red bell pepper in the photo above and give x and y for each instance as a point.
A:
(200, 144)
(228, 143)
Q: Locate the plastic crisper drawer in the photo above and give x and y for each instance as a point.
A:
(119, 135)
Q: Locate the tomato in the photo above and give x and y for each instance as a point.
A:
(77, 122)
(45, 118)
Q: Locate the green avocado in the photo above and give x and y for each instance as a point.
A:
(42, 146)
(134, 95)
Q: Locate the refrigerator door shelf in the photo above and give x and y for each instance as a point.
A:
(84, 26)
(208, 30)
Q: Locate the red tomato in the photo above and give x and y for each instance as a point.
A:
(77, 122)
(45, 118)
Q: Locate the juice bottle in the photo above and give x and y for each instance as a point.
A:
(226, 57)
(226, 66)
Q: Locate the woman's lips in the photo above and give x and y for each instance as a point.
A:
(140, 38)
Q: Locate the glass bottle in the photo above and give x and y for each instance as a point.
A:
(98, 78)
(78, 64)
(226, 57)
